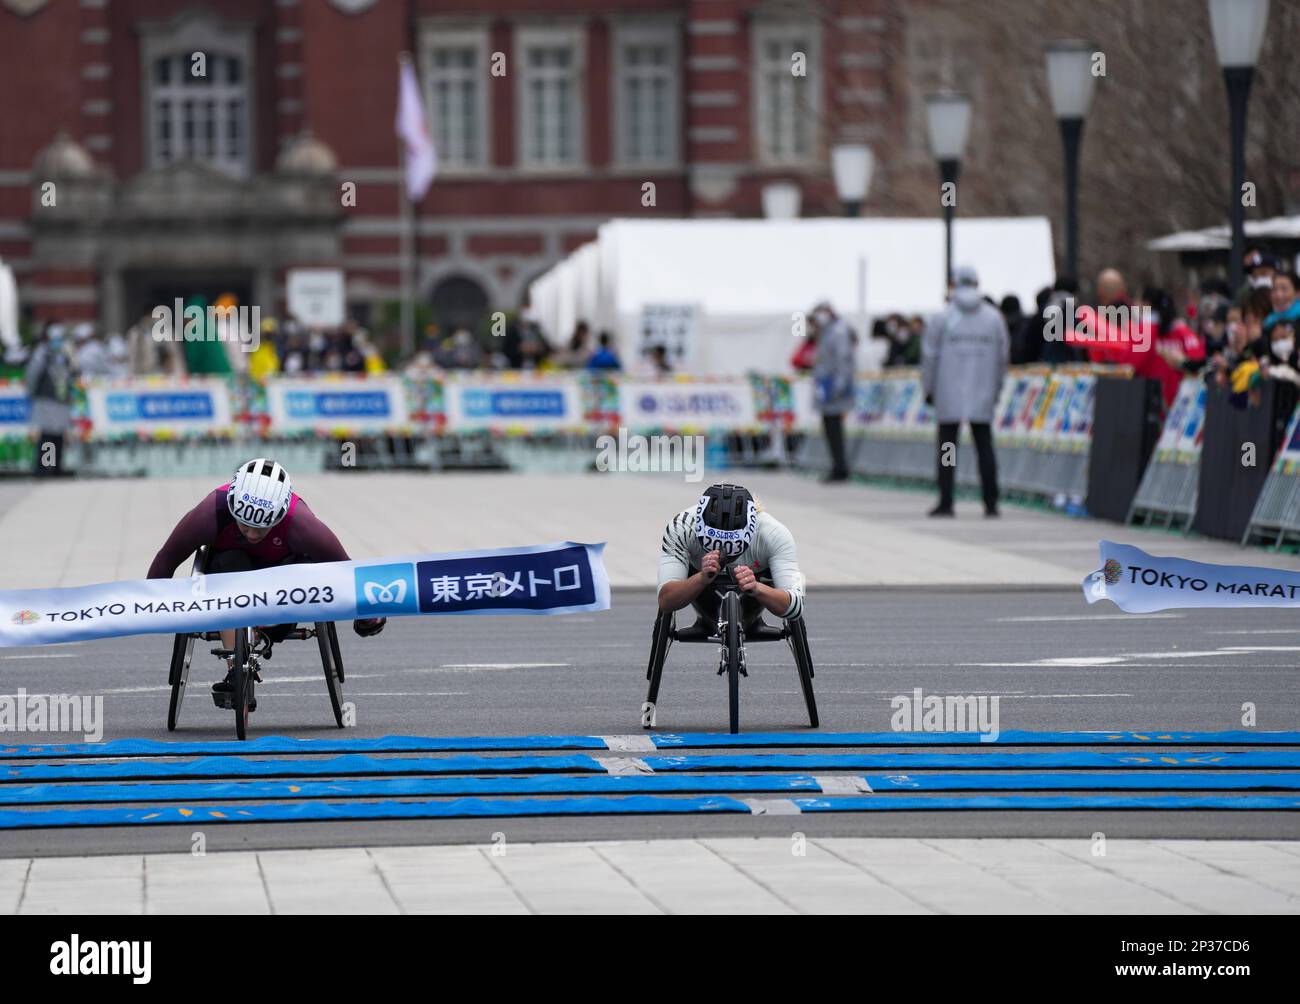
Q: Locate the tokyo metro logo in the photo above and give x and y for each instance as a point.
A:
(386, 589)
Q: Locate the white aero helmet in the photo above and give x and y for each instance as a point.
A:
(259, 493)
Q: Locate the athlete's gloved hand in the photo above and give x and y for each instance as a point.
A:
(710, 565)
(373, 625)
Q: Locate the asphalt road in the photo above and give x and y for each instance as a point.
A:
(1054, 663)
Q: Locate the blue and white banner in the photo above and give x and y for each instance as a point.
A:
(547, 579)
(15, 411)
(1139, 583)
(373, 404)
(533, 405)
(692, 404)
(152, 406)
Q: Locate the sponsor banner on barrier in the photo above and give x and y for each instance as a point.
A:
(1076, 423)
(539, 405)
(1184, 426)
(802, 391)
(1008, 406)
(155, 406)
(546, 579)
(373, 404)
(687, 404)
(15, 411)
(868, 404)
(1138, 582)
(1047, 413)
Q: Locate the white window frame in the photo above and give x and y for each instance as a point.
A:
(668, 34)
(575, 39)
(181, 38)
(764, 32)
(433, 36)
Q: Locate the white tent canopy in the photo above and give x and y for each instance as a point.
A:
(8, 312)
(1220, 238)
(747, 279)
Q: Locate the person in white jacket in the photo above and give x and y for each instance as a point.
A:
(965, 352)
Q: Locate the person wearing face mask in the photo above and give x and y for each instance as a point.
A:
(1260, 269)
(833, 369)
(1286, 305)
(48, 380)
(964, 359)
(1282, 362)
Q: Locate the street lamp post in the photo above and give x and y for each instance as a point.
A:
(1070, 83)
(1238, 27)
(948, 123)
(851, 166)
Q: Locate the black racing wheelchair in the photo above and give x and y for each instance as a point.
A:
(252, 647)
(730, 634)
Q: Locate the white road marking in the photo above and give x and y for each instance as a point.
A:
(1264, 631)
(1125, 658)
(43, 655)
(1089, 617)
(470, 667)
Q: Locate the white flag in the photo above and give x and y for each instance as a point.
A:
(413, 129)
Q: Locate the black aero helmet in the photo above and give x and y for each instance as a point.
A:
(725, 520)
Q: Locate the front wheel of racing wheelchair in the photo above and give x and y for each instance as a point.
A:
(731, 635)
(251, 647)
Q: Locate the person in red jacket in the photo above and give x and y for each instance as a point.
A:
(1120, 333)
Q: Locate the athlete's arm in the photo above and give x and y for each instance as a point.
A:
(677, 593)
(677, 586)
(196, 528)
(312, 539)
(773, 600)
(785, 596)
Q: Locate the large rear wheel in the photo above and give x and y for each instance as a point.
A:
(182, 652)
(327, 640)
(732, 654)
(660, 639)
(241, 689)
(803, 662)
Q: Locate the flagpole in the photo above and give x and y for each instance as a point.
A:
(407, 245)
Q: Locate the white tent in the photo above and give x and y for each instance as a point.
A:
(747, 279)
(8, 310)
(1220, 238)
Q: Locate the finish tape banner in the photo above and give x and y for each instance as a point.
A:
(548, 579)
(1140, 583)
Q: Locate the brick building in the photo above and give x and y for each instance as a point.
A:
(153, 148)
(551, 116)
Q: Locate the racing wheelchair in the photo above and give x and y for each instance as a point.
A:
(730, 634)
(251, 648)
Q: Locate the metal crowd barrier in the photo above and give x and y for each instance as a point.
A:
(1275, 519)
(1167, 493)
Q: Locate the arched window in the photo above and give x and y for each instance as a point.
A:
(459, 302)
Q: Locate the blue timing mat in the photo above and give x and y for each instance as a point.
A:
(356, 764)
(464, 808)
(661, 740)
(636, 784)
